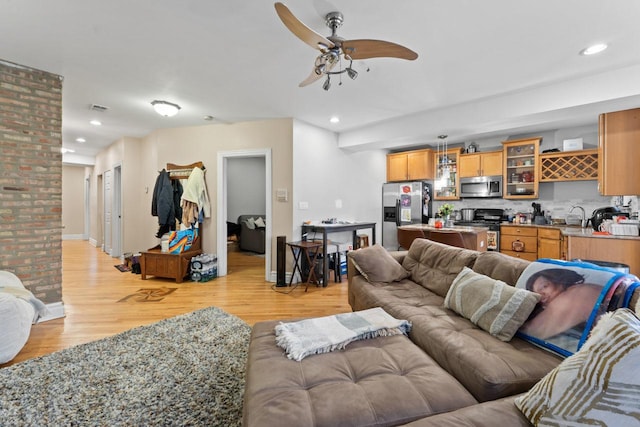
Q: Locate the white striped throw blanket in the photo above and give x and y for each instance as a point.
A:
(325, 334)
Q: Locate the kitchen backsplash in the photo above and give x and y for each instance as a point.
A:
(558, 208)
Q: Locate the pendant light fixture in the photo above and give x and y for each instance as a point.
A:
(166, 109)
(443, 173)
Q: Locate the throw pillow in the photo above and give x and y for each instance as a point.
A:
(251, 223)
(598, 385)
(490, 304)
(377, 265)
(260, 222)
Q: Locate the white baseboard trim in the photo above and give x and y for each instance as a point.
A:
(73, 237)
(93, 242)
(273, 277)
(56, 311)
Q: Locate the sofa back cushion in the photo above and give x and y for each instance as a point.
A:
(500, 267)
(434, 265)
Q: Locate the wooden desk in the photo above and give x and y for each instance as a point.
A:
(336, 228)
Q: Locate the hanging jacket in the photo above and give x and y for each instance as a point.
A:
(195, 191)
(162, 201)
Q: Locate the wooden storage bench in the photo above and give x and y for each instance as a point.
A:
(154, 262)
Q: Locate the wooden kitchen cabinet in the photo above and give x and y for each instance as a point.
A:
(618, 153)
(447, 185)
(410, 165)
(521, 168)
(625, 251)
(480, 164)
(577, 165)
(519, 242)
(550, 244)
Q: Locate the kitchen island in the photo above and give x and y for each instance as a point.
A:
(474, 237)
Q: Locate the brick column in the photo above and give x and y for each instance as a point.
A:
(31, 178)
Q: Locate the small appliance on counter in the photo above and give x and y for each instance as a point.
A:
(600, 214)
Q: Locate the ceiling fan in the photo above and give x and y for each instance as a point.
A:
(334, 48)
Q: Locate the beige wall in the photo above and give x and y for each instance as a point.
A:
(141, 159)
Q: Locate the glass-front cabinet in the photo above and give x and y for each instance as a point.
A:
(521, 168)
(447, 184)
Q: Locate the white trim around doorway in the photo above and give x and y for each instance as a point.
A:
(221, 215)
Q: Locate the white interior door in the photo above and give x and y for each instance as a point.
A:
(116, 217)
(108, 210)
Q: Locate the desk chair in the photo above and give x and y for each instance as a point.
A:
(334, 254)
(451, 238)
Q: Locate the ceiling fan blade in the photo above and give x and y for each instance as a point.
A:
(312, 78)
(303, 32)
(315, 76)
(366, 48)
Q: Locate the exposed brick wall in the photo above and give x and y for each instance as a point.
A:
(31, 178)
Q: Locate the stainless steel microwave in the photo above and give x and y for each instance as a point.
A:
(481, 186)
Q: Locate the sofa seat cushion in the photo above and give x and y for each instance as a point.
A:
(435, 265)
(383, 382)
(501, 412)
(487, 367)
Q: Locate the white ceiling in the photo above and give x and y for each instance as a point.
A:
(484, 67)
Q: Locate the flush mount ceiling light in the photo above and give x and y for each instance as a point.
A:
(334, 119)
(96, 122)
(166, 109)
(81, 140)
(593, 49)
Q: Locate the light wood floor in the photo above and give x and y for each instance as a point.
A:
(91, 288)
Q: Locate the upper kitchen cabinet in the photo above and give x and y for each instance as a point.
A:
(618, 153)
(447, 184)
(480, 164)
(410, 165)
(520, 168)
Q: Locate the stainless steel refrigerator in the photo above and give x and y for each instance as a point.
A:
(404, 203)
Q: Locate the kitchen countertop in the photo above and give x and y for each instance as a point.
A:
(461, 228)
(575, 231)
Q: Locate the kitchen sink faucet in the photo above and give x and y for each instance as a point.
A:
(583, 219)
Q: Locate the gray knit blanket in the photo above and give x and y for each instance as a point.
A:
(325, 334)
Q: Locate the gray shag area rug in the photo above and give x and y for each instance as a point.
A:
(186, 370)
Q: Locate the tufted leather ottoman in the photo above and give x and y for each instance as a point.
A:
(385, 381)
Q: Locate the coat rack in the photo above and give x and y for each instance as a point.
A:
(182, 172)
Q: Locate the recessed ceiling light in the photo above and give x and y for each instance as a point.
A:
(96, 122)
(334, 119)
(81, 140)
(593, 49)
(67, 150)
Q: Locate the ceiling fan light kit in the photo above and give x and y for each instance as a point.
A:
(166, 109)
(334, 48)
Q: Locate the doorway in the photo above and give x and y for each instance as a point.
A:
(112, 212)
(222, 206)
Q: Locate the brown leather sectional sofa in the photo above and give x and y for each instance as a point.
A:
(448, 372)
